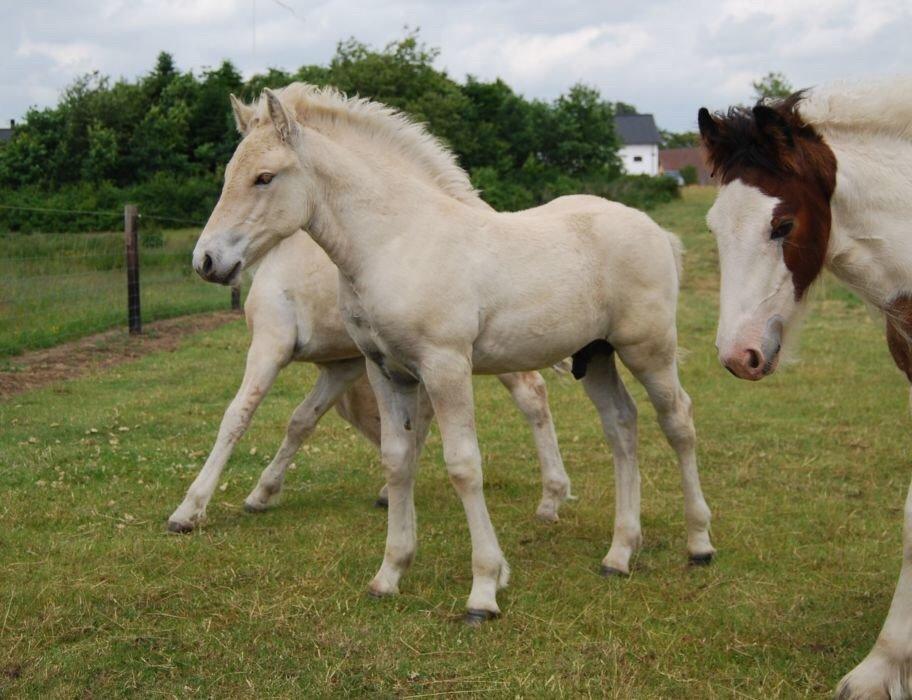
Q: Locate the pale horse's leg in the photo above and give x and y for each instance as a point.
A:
(448, 381)
(266, 356)
(334, 379)
(530, 394)
(405, 415)
(618, 414)
(654, 364)
(886, 671)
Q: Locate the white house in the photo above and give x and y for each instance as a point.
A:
(640, 141)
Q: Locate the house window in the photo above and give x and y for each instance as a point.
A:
(638, 159)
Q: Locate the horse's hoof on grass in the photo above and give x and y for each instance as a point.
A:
(380, 595)
(701, 559)
(255, 508)
(473, 618)
(611, 572)
(381, 502)
(180, 528)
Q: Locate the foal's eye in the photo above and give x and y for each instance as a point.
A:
(782, 228)
(263, 179)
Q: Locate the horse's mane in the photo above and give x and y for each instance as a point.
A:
(737, 139)
(327, 105)
(876, 106)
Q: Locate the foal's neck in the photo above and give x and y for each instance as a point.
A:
(870, 245)
(357, 203)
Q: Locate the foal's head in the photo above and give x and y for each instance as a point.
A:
(771, 220)
(265, 195)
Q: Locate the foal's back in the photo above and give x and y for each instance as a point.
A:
(577, 269)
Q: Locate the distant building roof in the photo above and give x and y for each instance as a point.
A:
(678, 158)
(637, 129)
(7, 134)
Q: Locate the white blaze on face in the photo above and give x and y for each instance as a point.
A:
(757, 295)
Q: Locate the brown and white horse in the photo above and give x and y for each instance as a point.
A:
(820, 179)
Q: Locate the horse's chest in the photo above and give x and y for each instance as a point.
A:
(371, 341)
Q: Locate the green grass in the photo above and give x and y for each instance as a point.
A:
(57, 287)
(805, 472)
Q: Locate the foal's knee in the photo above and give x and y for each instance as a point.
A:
(396, 455)
(531, 395)
(464, 469)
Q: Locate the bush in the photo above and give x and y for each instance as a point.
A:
(689, 174)
(99, 207)
(641, 191)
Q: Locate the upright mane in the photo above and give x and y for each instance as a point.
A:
(879, 106)
(327, 105)
(761, 137)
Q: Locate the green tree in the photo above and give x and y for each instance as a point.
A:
(101, 159)
(772, 86)
(581, 138)
(684, 139)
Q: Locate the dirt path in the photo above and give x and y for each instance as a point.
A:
(74, 359)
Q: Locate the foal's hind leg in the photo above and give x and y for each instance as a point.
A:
(333, 380)
(655, 366)
(530, 394)
(618, 412)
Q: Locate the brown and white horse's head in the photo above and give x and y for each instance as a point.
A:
(771, 220)
(265, 195)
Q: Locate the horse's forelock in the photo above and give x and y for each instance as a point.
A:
(742, 139)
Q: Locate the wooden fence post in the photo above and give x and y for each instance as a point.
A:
(131, 246)
(236, 297)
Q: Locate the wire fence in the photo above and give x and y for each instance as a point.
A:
(56, 287)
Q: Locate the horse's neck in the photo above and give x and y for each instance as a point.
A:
(870, 246)
(344, 189)
(360, 205)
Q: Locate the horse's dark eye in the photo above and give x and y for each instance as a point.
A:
(782, 229)
(263, 179)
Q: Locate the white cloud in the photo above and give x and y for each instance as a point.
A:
(664, 56)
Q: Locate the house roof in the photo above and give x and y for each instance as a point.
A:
(637, 129)
(5, 135)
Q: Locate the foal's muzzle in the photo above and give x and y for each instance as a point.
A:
(212, 268)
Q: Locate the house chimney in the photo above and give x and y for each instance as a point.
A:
(12, 123)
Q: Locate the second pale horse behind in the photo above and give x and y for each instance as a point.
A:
(293, 314)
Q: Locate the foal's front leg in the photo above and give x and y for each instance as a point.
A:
(264, 360)
(530, 394)
(404, 419)
(886, 671)
(448, 381)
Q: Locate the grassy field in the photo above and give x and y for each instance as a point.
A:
(57, 287)
(806, 474)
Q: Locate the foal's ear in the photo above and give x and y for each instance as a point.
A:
(709, 128)
(284, 123)
(242, 114)
(772, 125)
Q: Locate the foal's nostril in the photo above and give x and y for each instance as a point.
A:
(753, 359)
(207, 264)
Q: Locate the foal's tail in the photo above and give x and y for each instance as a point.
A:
(677, 249)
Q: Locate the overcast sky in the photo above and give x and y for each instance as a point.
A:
(667, 57)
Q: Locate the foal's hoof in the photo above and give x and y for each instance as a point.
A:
(473, 618)
(381, 502)
(701, 559)
(611, 572)
(180, 527)
(255, 507)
